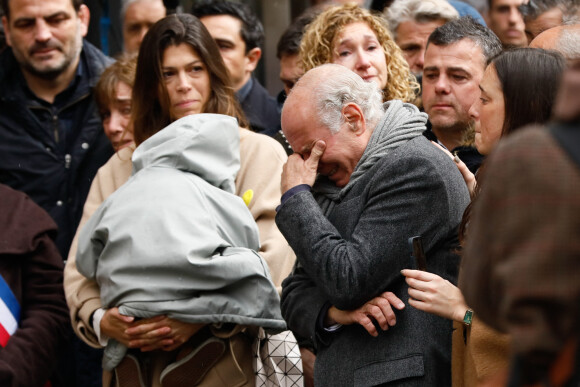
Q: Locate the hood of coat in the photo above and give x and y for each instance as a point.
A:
(207, 145)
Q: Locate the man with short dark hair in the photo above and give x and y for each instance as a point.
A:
(541, 15)
(51, 138)
(455, 60)
(506, 21)
(287, 51)
(239, 35)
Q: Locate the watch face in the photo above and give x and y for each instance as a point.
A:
(468, 317)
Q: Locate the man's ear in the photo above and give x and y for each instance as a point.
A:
(353, 115)
(84, 15)
(7, 34)
(252, 58)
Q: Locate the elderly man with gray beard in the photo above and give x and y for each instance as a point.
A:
(363, 181)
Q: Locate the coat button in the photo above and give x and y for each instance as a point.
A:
(85, 145)
(59, 203)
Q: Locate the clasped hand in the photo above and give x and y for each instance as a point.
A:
(378, 309)
(159, 332)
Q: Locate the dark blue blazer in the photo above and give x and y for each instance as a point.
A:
(261, 110)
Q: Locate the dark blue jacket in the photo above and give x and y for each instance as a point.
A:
(51, 152)
(261, 110)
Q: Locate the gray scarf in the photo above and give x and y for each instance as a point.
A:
(400, 123)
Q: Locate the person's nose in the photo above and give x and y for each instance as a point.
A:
(184, 84)
(474, 110)
(43, 32)
(514, 16)
(419, 62)
(363, 61)
(142, 34)
(442, 85)
(117, 123)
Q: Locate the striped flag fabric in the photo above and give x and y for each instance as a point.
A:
(9, 312)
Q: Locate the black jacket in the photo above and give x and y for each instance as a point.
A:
(261, 110)
(51, 164)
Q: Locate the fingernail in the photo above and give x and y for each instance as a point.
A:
(456, 159)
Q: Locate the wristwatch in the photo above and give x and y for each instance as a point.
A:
(468, 317)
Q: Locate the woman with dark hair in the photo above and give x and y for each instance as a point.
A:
(180, 74)
(153, 114)
(527, 79)
(518, 88)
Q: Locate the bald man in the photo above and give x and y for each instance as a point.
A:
(379, 183)
(564, 39)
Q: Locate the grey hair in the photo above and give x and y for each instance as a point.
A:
(467, 27)
(125, 5)
(335, 92)
(569, 44)
(535, 8)
(420, 11)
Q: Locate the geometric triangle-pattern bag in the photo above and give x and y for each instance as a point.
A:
(277, 360)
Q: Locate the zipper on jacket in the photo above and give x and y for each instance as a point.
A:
(55, 127)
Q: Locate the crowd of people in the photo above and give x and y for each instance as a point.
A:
(407, 206)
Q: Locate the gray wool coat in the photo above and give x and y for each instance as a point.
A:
(357, 252)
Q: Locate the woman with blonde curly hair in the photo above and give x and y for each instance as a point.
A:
(357, 39)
